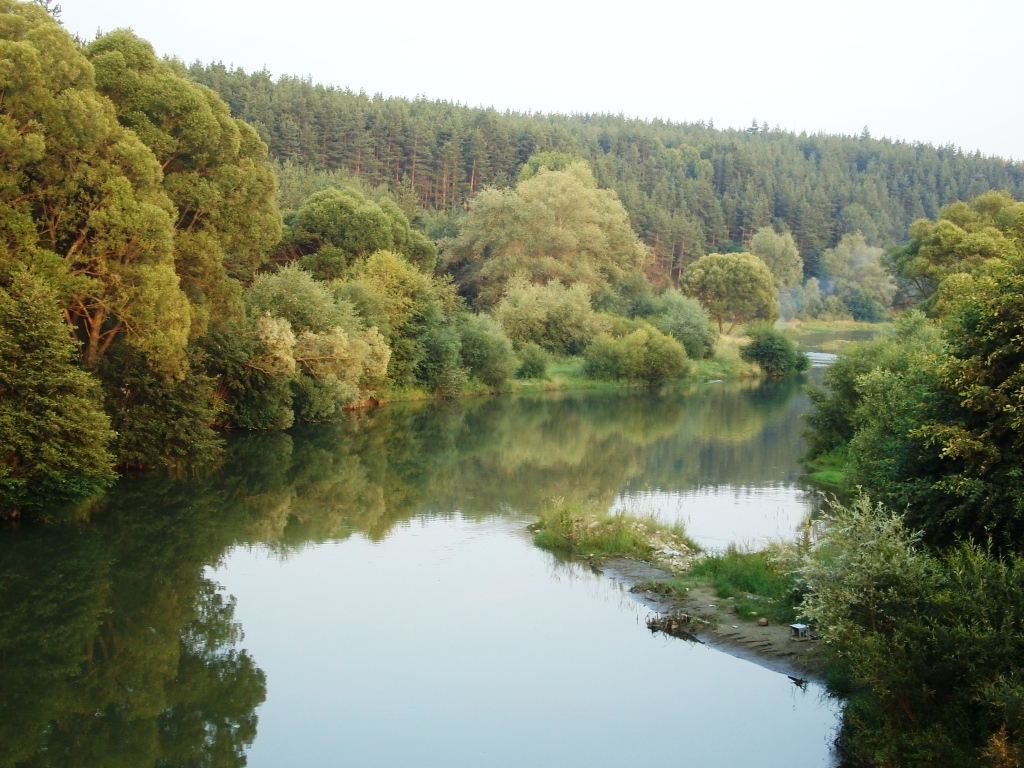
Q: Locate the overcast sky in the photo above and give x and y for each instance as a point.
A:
(939, 72)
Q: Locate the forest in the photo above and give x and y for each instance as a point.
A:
(689, 189)
(187, 250)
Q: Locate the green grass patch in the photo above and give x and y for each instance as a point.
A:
(798, 327)
(726, 362)
(828, 478)
(575, 530)
(756, 583)
(829, 469)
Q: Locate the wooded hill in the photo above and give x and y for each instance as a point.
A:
(689, 188)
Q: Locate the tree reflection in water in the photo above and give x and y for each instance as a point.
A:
(116, 649)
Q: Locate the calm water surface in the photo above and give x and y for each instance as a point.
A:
(365, 594)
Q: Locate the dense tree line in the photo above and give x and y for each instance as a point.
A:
(927, 419)
(151, 292)
(689, 189)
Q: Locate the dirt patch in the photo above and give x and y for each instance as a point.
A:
(701, 616)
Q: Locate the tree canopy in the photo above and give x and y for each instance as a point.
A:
(780, 253)
(555, 225)
(689, 188)
(965, 238)
(737, 287)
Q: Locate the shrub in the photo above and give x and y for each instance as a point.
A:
(773, 351)
(533, 362)
(645, 355)
(557, 318)
(440, 369)
(684, 319)
(486, 351)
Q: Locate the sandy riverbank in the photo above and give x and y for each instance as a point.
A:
(716, 624)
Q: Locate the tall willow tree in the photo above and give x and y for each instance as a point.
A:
(555, 225)
(143, 205)
(214, 170)
(81, 199)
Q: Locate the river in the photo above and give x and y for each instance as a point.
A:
(365, 594)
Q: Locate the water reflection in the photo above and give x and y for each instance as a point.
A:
(118, 647)
(116, 650)
(456, 643)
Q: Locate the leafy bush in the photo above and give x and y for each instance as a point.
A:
(643, 355)
(557, 318)
(533, 362)
(684, 319)
(441, 367)
(930, 646)
(862, 306)
(773, 351)
(53, 432)
(486, 351)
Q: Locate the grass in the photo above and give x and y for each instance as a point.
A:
(725, 363)
(573, 529)
(829, 469)
(757, 583)
(832, 326)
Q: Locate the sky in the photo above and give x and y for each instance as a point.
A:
(937, 72)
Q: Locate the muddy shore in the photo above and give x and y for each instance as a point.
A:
(715, 623)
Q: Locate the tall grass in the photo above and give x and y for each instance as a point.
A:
(573, 529)
(761, 583)
(829, 469)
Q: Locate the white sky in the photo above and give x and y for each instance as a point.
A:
(939, 72)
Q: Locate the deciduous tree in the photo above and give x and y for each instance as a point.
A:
(737, 287)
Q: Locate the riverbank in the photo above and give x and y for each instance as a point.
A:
(567, 375)
(738, 602)
(699, 615)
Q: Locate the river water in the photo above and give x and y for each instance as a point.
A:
(365, 594)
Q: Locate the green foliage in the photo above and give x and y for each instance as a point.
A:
(645, 354)
(633, 296)
(556, 226)
(810, 302)
(214, 170)
(737, 287)
(780, 253)
(573, 529)
(54, 435)
(972, 423)
(310, 335)
(684, 319)
(79, 185)
(415, 313)
(933, 428)
(856, 274)
(533, 362)
(440, 367)
(931, 645)
(773, 351)
(688, 187)
(255, 395)
(559, 319)
(547, 161)
(334, 229)
(486, 351)
(913, 344)
(326, 263)
(160, 420)
(964, 239)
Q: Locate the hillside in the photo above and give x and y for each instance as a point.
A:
(689, 188)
